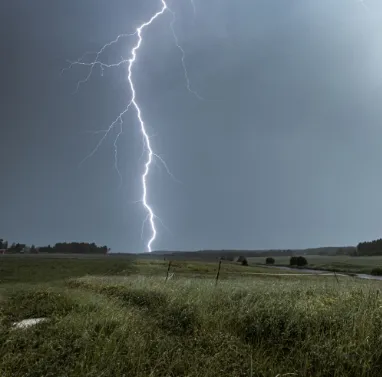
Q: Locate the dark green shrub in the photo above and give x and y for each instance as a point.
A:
(301, 261)
(298, 261)
(270, 260)
(376, 271)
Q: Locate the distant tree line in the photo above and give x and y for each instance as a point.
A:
(16, 247)
(276, 253)
(74, 248)
(13, 248)
(3, 244)
(369, 248)
(59, 248)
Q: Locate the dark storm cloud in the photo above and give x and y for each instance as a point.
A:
(283, 152)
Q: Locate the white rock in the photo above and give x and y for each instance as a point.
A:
(25, 323)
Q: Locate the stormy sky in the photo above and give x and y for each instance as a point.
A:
(283, 152)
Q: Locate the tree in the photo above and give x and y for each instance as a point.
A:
(301, 261)
(244, 262)
(376, 271)
(75, 248)
(298, 261)
(16, 247)
(3, 244)
(369, 248)
(270, 260)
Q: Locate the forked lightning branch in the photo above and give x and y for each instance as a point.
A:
(132, 103)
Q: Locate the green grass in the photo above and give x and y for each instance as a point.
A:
(37, 269)
(340, 263)
(203, 270)
(133, 323)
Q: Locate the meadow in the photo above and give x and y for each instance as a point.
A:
(120, 317)
(340, 263)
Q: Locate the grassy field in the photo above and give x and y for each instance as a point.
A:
(342, 263)
(118, 317)
(53, 269)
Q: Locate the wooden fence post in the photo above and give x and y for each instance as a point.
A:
(168, 270)
(217, 275)
(338, 282)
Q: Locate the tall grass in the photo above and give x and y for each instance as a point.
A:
(140, 326)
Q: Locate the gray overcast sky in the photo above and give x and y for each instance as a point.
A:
(284, 152)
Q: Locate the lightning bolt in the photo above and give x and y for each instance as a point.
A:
(150, 153)
(151, 156)
(188, 84)
(120, 132)
(362, 2)
(96, 60)
(193, 6)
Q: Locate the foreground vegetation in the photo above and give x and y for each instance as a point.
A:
(136, 324)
